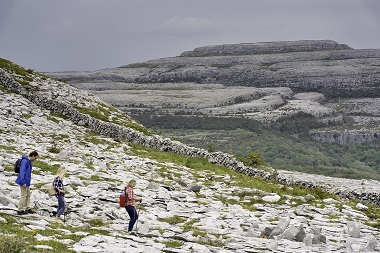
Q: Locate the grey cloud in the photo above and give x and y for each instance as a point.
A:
(55, 35)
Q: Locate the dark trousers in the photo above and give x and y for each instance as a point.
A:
(132, 215)
(61, 205)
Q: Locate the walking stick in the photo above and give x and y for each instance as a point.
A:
(64, 215)
(138, 215)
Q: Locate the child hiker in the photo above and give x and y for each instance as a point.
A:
(131, 205)
(60, 193)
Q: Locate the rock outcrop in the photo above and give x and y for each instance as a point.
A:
(347, 136)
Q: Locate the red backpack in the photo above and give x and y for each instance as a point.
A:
(123, 199)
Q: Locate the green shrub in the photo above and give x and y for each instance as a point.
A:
(253, 159)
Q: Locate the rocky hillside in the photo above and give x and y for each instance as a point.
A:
(194, 200)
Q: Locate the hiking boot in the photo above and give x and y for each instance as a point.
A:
(58, 220)
(31, 211)
(21, 212)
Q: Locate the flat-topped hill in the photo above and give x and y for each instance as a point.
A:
(265, 48)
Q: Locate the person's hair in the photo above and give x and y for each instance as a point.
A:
(33, 153)
(61, 172)
(132, 183)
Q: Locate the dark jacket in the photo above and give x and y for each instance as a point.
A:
(25, 175)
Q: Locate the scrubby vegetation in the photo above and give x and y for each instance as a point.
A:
(284, 145)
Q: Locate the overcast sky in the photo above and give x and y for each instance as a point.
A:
(63, 35)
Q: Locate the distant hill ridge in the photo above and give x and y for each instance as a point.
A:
(265, 48)
(305, 65)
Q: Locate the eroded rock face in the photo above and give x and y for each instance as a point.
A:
(348, 136)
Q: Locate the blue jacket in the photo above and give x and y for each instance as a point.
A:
(25, 172)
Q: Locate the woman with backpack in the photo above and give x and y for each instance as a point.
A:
(60, 193)
(131, 204)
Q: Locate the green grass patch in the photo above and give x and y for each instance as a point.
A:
(45, 167)
(9, 167)
(96, 223)
(373, 213)
(54, 149)
(24, 82)
(211, 242)
(173, 219)
(89, 166)
(6, 64)
(160, 230)
(27, 115)
(8, 148)
(189, 226)
(9, 243)
(173, 243)
(52, 115)
(52, 118)
(2, 88)
(14, 239)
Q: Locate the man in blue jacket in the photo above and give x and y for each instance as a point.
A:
(23, 180)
